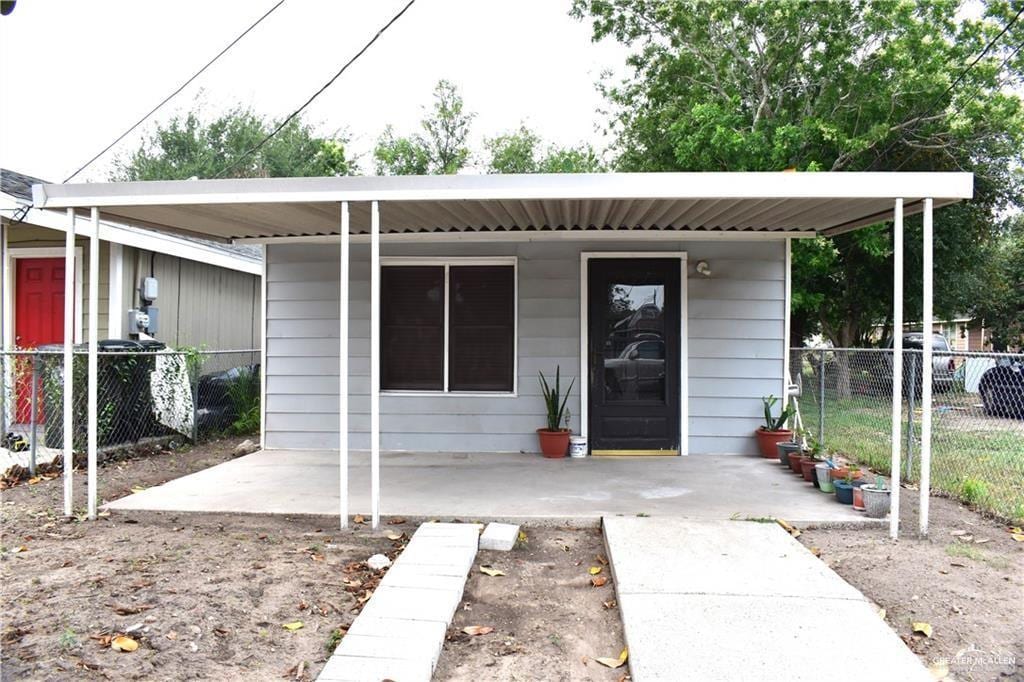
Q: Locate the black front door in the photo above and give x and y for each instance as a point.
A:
(633, 330)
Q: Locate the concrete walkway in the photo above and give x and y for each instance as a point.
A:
(513, 487)
(733, 600)
(400, 632)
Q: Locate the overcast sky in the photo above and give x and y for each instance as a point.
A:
(75, 74)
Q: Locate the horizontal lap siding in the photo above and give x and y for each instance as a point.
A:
(736, 348)
(736, 339)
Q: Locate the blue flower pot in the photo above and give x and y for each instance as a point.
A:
(844, 492)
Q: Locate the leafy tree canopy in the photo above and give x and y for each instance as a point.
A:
(520, 151)
(860, 85)
(189, 146)
(441, 149)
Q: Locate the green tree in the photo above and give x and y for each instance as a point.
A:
(1001, 304)
(189, 146)
(441, 149)
(860, 85)
(520, 151)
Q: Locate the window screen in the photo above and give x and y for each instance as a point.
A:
(481, 328)
(412, 328)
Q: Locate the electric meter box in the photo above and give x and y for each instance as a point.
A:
(149, 289)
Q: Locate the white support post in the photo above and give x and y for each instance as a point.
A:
(343, 280)
(897, 367)
(375, 364)
(94, 330)
(926, 371)
(69, 341)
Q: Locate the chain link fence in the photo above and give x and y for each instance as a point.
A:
(143, 397)
(977, 418)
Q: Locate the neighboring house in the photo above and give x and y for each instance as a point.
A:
(666, 296)
(208, 293)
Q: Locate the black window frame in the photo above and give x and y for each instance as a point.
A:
(448, 264)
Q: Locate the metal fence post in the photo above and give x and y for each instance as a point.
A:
(194, 380)
(33, 414)
(821, 399)
(911, 394)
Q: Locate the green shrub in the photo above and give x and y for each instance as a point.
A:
(244, 393)
(973, 491)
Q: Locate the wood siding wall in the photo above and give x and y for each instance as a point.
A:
(736, 347)
(200, 304)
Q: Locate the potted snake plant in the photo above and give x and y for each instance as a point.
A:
(554, 439)
(774, 430)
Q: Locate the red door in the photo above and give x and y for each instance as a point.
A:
(38, 318)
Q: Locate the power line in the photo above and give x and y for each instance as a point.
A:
(960, 106)
(180, 88)
(316, 94)
(957, 80)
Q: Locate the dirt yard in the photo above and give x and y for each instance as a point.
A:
(550, 622)
(966, 580)
(203, 596)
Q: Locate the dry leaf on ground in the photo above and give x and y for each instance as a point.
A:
(475, 630)
(358, 518)
(594, 570)
(123, 643)
(296, 625)
(598, 581)
(614, 662)
(493, 572)
(922, 628)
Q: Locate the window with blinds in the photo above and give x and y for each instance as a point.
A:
(480, 319)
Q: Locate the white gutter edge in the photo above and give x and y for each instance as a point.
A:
(149, 240)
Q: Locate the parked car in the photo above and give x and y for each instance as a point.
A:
(943, 367)
(1002, 388)
(638, 371)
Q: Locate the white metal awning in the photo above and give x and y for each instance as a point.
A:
(259, 209)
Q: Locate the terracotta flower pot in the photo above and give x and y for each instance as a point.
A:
(794, 462)
(767, 440)
(839, 474)
(807, 468)
(858, 495)
(553, 444)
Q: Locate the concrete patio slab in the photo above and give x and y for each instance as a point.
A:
(732, 600)
(503, 487)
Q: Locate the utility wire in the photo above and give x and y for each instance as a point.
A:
(316, 94)
(962, 104)
(180, 88)
(957, 80)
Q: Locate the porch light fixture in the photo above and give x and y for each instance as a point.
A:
(703, 268)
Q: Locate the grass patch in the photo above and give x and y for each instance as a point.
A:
(966, 551)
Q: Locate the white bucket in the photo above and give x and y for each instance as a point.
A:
(577, 446)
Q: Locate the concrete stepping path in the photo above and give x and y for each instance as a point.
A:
(730, 600)
(399, 633)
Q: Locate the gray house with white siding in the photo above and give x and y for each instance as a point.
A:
(736, 344)
(415, 313)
